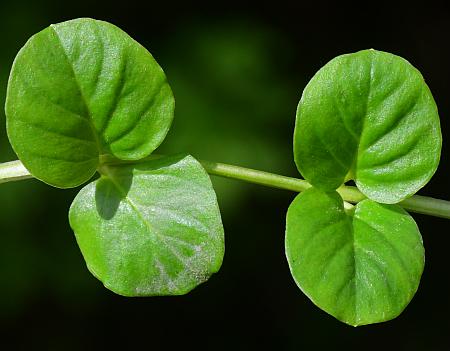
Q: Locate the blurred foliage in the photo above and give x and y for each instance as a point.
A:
(232, 103)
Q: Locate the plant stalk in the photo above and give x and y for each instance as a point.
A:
(12, 171)
(15, 170)
(418, 204)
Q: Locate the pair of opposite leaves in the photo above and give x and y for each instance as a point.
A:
(82, 94)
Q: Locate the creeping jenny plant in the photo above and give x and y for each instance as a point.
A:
(85, 98)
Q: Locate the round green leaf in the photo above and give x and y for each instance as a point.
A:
(150, 229)
(368, 116)
(362, 268)
(80, 89)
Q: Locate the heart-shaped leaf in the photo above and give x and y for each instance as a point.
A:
(368, 116)
(81, 89)
(150, 229)
(362, 267)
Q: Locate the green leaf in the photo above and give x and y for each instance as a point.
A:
(362, 268)
(150, 229)
(81, 89)
(368, 116)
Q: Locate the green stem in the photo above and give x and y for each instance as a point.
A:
(416, 203)
(14, 170)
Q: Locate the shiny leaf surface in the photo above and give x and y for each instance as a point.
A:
(368, 116)
(81, 89)
(363, 267)
(150, 229)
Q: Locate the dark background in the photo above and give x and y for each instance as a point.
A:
(237, 71)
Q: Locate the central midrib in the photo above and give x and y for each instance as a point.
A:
(83, 98)
(354, 165)
(149, 227)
